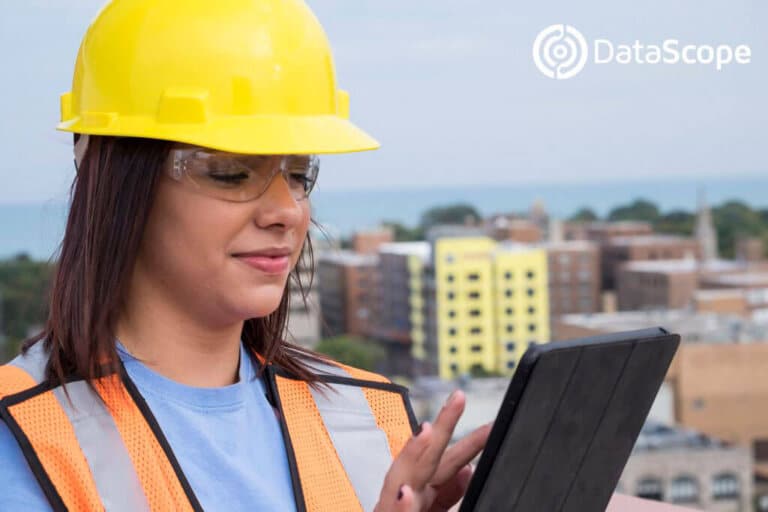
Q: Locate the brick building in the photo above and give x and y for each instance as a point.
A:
(347, 282)
(620, 250)
(574, 277)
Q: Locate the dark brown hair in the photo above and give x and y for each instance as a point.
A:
(111, 198)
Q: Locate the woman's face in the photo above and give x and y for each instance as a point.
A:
(203, 253)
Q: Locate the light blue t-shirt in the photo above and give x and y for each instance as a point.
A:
(227, 441)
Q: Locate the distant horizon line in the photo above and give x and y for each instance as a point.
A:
(608, 181)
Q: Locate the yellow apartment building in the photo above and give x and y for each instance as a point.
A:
(491, 302)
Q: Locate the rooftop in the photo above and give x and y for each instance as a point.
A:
(725, 293)
(619, 224)
(648, 240)
(737, 280)
(657, 437)
(569, 245)
(348, 258)
(692, 326)
(421, 249)
(683, 266)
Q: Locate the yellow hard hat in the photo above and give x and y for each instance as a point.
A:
(246, 76)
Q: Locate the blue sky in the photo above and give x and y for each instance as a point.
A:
(451, 91)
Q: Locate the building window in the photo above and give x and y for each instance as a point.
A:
(453, 349)
(451, 314)
(452, 331)
(510, 328)
(725, 486)
(507, 275)
(510, 346)
(650, 489)
(454, 368)
(451, 295)
(531, 327)
(476, 330)
(510, 364)
(531, 310)
(531, 292)
(508, 293)
(473, 277)
(474, 295)
(509, 311)
(476, 348)
(684, 489)
(474, 312)
(449, 258)
(450, 278)
(530, 274)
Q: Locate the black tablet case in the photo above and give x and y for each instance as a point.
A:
(568, 423)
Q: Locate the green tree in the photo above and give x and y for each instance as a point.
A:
(639, 210)
(677, 222)
(353, 351)
(584, 214)
(459, 213)
(734, 219)
(403, 233)
(24, 287)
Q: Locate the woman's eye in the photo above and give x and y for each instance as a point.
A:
(301, 178)
(228, 178)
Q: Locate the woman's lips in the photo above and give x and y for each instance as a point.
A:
(267, 264)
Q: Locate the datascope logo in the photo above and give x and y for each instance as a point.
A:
(560, 51)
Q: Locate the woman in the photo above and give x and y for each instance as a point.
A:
(162, 380)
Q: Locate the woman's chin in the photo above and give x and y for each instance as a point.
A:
(258, 305)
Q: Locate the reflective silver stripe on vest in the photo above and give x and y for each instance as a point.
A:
(33, 362)
(362, 446)
(111, 468)
(113, 473)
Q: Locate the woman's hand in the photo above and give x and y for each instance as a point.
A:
(427, 477)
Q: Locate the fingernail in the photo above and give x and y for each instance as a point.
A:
(400, 493)
(450, 398)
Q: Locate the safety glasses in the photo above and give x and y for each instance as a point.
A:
(239, 177)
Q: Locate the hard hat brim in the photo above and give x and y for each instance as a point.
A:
(279, 134)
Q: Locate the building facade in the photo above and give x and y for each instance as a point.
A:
(574, 277)
(690, 469)
(347, 283)
(490, 302)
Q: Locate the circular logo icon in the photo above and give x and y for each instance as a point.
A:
(560, 51)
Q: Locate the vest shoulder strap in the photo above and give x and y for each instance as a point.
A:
(341, 436)
(90, 446)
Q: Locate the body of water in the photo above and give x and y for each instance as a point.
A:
(37, 228)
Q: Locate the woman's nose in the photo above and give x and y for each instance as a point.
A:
(277, 205)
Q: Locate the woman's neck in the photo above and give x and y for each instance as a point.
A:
(171, 343)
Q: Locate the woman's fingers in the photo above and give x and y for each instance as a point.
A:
(405, 500)
(461, 454)
(415, 467)
(450, 492)
(442, 431)
(403, 467)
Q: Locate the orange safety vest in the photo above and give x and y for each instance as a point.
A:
(95, 448)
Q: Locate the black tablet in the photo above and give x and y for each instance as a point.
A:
(568, 422)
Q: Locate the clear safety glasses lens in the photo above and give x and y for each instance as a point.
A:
(237, 177)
